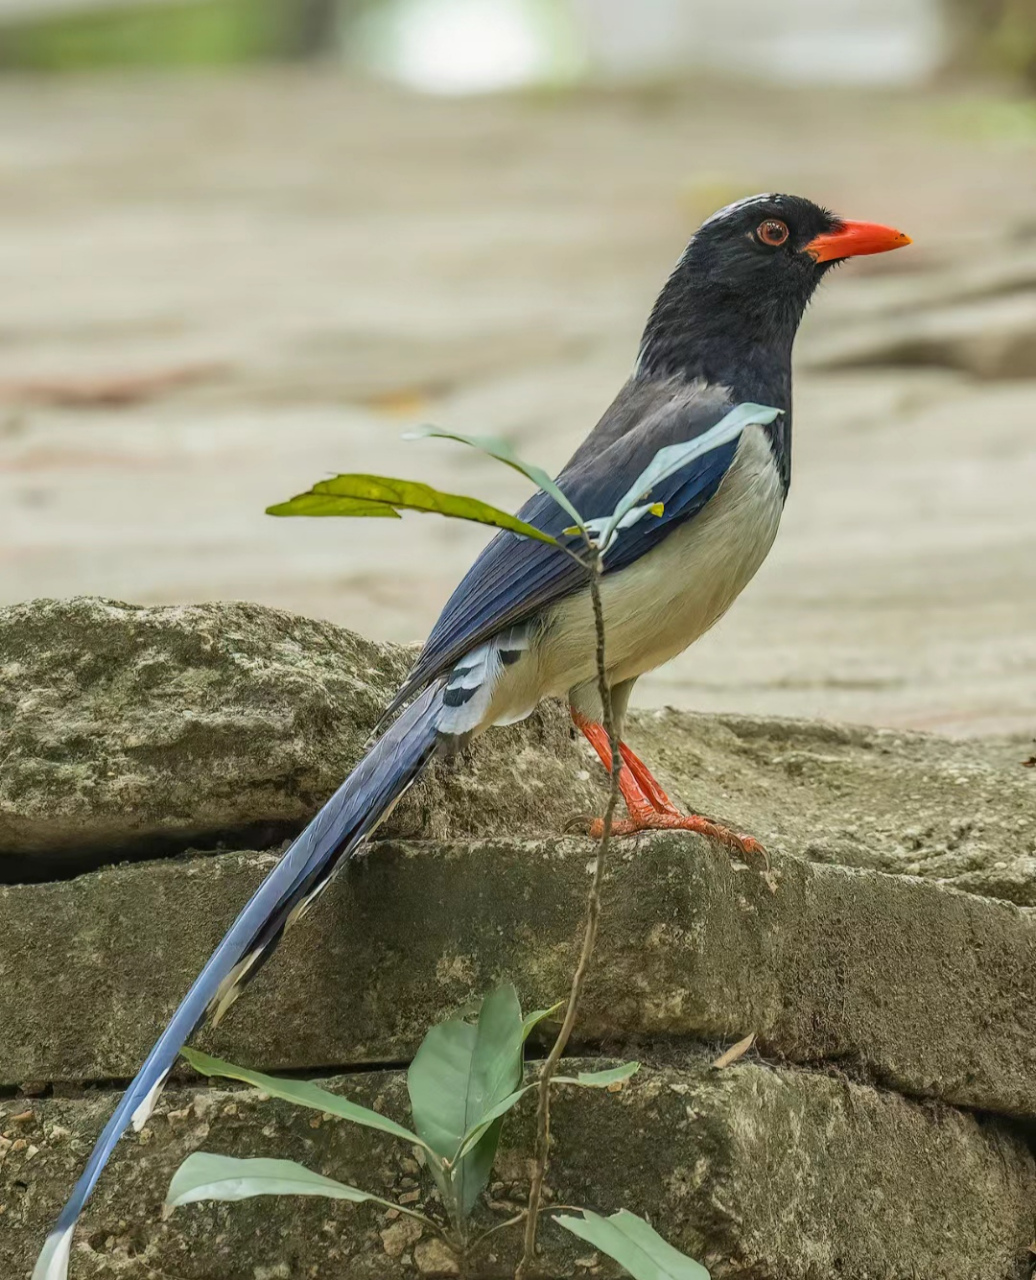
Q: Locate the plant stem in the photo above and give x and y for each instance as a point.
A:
(421, 1217)
(593, 916)
(479, 1241)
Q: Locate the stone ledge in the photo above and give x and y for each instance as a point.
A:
(763, 1174)
(122, 726)
(955, 812)
(128, 730)
(930, 991)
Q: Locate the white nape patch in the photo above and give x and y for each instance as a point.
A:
(52, 1264)
(471, 684)
(737, 205)
(143, 1110)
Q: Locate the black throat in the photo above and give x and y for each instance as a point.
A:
(705, 332)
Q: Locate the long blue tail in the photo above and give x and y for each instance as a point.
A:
(352, 813)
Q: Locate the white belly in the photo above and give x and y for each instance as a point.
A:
(658, 606)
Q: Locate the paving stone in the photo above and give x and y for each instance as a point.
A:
(136, 731)
(926, 989)
(763, 1174)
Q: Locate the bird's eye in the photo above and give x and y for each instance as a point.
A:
(772, 232)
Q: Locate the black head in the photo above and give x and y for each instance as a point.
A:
(730, 310)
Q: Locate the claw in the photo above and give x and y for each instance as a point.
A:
(746, 847)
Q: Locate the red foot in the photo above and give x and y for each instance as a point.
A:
(672, 820)
(649, 808)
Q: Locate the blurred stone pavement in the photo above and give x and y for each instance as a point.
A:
(216, 290)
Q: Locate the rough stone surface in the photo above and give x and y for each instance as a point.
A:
(120, 724)
(122, 729)
(763, 1174)
(956, 812)
(928, 990)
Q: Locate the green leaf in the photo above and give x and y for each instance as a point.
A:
(471, 1172)
(458, 1075)
(496, 1064)
(437, 1083)
(586, 1079)
(362, 495)
(205, 1176)
(669, 460)
(434, 1082)
(503, 452)
(461, 1071)
(534, 1019)
(303, 1093)
(634, 1245)
(501, 1109)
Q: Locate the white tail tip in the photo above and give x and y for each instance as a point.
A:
(143, 1110)
(52, 1264)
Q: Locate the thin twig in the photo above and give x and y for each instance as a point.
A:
(593, 916)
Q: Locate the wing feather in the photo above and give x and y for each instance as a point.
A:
(516, 578)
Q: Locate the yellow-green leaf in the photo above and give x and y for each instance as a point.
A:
(322, 504)
(363, 495)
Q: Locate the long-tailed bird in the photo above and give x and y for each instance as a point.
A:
(520, 627)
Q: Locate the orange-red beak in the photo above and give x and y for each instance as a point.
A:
(852, 239)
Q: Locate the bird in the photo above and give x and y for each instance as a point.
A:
(520, 628)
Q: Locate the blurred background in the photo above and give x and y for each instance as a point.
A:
(247, 243)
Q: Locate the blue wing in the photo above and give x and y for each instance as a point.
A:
(515, 578)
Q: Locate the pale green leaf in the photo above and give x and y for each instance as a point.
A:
(437, 1081)
(496, 1064)
(206, 1176)
(363, 495)
(602, 1079)
(496, 1113)
(634, 1245)
(503, 452)
(470, 1174)
(458, 1075)
(302, 1092)
(533, 1020)
(460, 1071)
(598, 526)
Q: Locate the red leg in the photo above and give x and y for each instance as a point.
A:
(646, 781)
(649, 808)
(637, 803)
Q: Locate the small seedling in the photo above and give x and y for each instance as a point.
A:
(464, 1080)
